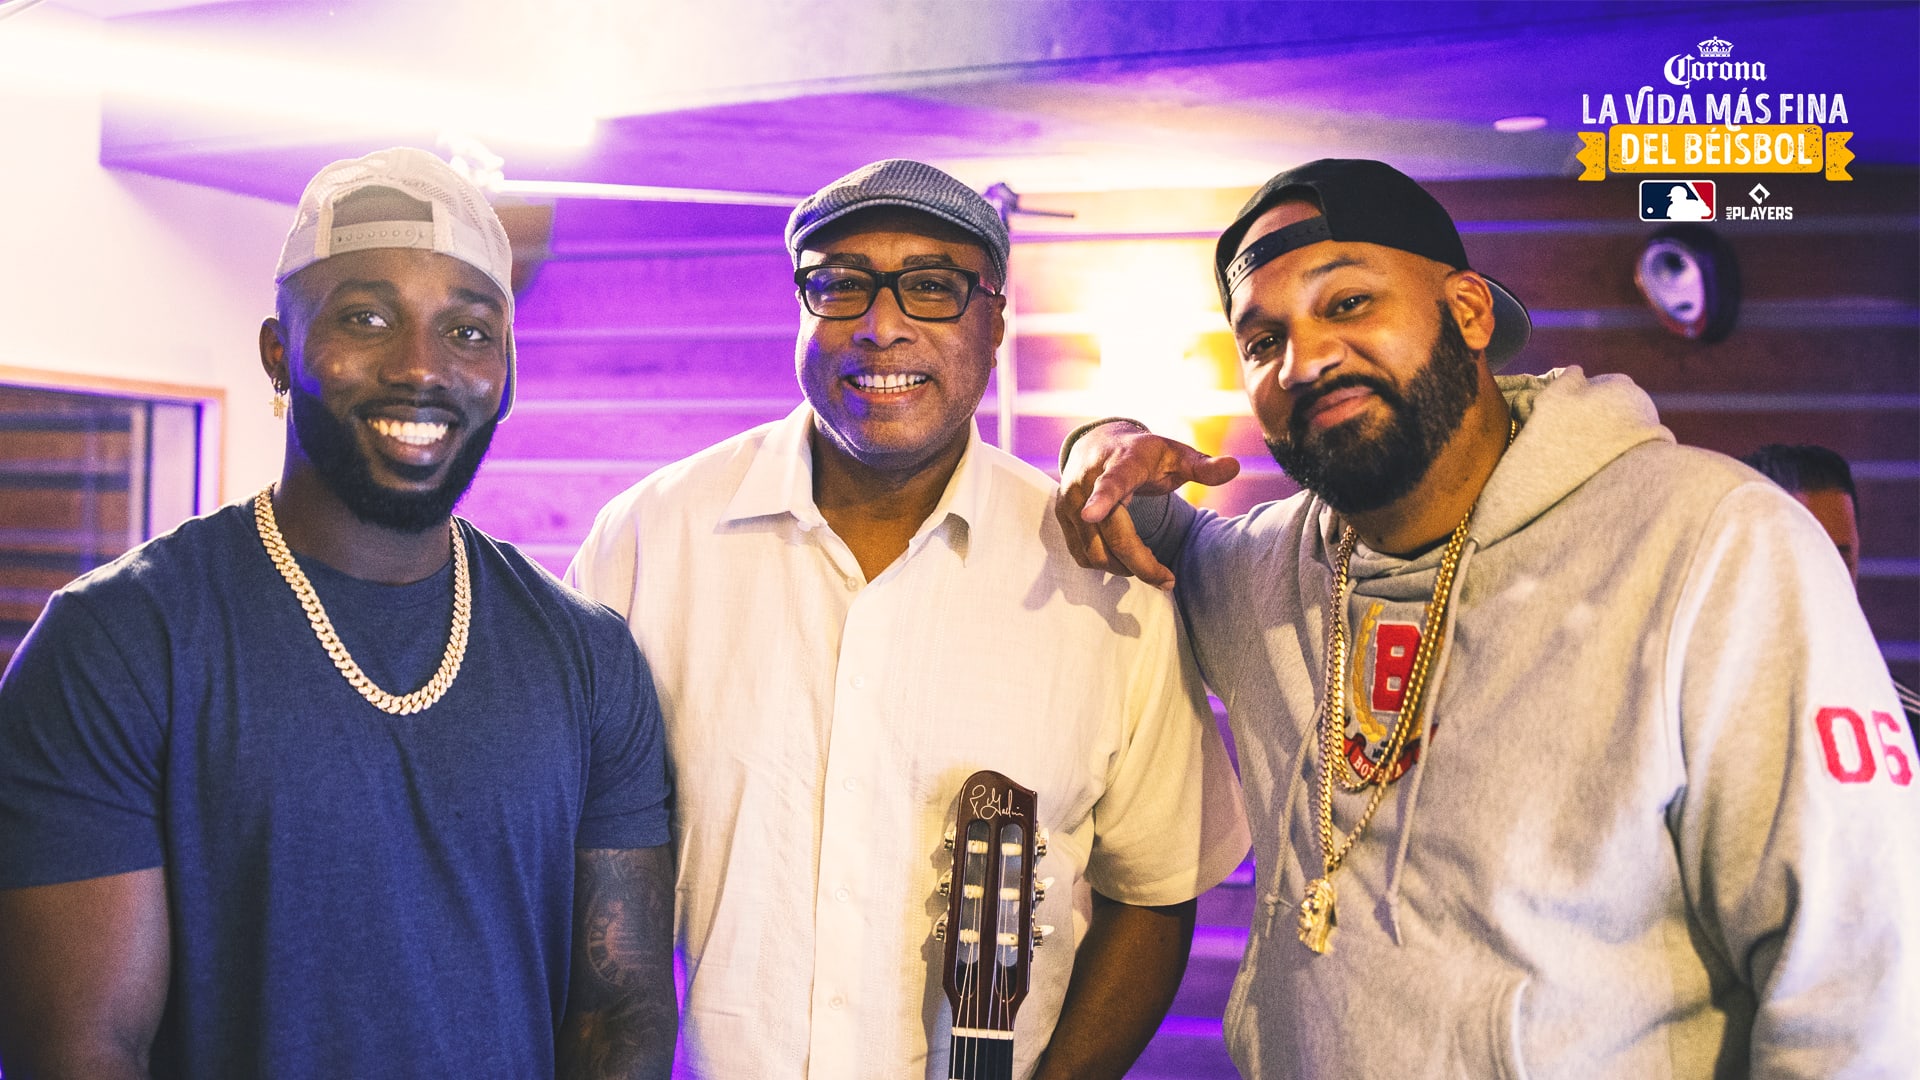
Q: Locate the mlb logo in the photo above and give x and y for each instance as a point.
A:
(1677, 200)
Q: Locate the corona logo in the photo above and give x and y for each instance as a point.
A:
(1712, 64)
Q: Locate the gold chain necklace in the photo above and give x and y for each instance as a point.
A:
(418, 701)
(1317, 920)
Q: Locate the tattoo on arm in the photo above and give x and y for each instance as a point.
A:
(621, 1015)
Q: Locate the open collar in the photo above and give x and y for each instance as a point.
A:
(780, 481)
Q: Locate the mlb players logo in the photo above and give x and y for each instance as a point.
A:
(1677, 200)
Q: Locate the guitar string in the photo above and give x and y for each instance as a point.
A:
(1022, 868)
(973, 1049)
(969, 977)
(984, 1000)
(983, 1004)
(959, 972)
(996, 873)
(999, 1002)
(960, 975)
(998, 1006)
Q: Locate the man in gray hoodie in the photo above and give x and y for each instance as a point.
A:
(1666, 809)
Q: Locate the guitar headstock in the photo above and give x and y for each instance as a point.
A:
(989, 927)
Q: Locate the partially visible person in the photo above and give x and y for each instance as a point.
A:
(1560, 759)
(853, 609)
(1822, 481)
(329, 783)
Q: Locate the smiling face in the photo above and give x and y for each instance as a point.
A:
(395, 361)
(1354, 361)
(893, 393)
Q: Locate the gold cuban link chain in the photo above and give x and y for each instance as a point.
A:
(1317, 919)
(418, 701)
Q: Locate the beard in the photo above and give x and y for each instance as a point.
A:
(336, 455)
(1356, 471)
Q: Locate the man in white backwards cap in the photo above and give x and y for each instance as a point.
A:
(328, 782)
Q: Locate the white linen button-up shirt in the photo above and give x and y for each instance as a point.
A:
(820, 726)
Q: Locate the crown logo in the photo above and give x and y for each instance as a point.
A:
(1715, 48)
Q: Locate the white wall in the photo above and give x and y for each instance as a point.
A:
(112, 274)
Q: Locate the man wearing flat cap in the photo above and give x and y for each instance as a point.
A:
(1563, 753)
(849, 612)
(328, 783)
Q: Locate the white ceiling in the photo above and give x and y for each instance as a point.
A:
(1047, 95)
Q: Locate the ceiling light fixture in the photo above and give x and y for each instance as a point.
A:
(326, 97)
(487, 170)
(1519, 123)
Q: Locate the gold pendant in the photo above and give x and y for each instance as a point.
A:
(1317, 921)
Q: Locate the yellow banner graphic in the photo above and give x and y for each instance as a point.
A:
(1712, 148)
(1593, 155)
(1838, 155)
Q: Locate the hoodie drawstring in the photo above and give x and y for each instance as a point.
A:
(1278, 891)
(1396, 863)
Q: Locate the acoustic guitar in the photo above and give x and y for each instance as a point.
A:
(989, 928)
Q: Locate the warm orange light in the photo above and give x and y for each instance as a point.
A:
(1149, 308)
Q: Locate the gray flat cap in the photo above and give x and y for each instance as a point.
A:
(911, 184)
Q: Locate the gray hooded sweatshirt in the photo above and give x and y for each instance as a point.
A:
(1663, 821)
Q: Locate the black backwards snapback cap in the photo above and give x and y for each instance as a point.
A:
(1368, 202)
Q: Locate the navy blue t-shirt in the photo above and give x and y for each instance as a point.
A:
(352, 893)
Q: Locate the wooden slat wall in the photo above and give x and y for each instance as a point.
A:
(627, 363)
(630, 359)
(64, 497)
(1827, 349)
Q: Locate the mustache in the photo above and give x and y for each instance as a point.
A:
(1305, 400)
(442, 401)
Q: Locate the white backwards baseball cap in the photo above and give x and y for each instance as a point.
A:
(463, 224)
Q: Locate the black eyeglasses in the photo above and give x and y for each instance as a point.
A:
(927, 293)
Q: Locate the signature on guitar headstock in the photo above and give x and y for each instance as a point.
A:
(989, 927)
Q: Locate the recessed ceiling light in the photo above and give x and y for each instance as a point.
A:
(1520, 123)
(77, 57)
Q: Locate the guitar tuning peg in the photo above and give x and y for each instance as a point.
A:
(940, 928)
(946, 883)
(1039, 844)
(1041, 932)
(1039, 888)
(948, 838)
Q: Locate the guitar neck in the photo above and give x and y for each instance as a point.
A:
(981, 1057)
(988, 929)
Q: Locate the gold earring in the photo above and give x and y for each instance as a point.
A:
(279, 402)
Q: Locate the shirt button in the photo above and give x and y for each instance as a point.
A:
(853, 584)
(841, 895)
(848, 784)
(838, 1003)
(859, 682)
